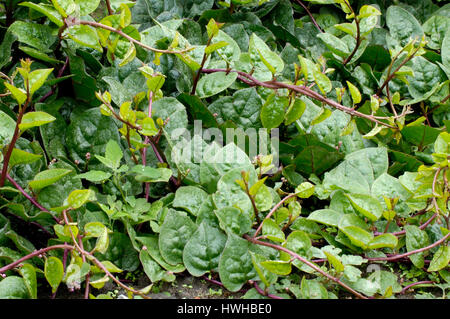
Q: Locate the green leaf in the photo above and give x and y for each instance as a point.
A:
(13, 287)
(272, 112)
(175, 232)
(32, 119)
(47, 178)
(235, 264)
(202, 252)
(37, 78)
(233, 220)
(95, 176)
(38, 36)
(305, 190)
(326, 216)
(19, 157)
(403, 25)
(243, 108)
(19, 95)
(441, 259)
(272, 231)
(384, 240)
(48, 10)
(354, 92)
(278, 267)
(28, 273)
(190, 198)
(358, 236)
(334, 261)
(86, 36)
(445, 51)
(299, 242)
(79, 197)
(367, 205)
(102, 243)
(294, 112)
(54, 272)
(416, 239)
(214, 83)
(334, 44)
(258, 49)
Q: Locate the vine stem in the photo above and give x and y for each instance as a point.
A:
(358, 36)
(392, 75)
(307, 262)
(74, 21)
(310, 15)
(14, 139)
(108, 7)
(399, 256)
(272, 211)
(405, 289)
(262, 292)
(304, 91)
(146, 141)
(34, 254)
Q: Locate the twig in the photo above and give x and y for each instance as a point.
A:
(307, 262)
(262, 292)
(399, 256)
(304, 91)
(358, 36)
(73, 21)
(34, 254)
(272, 211)
(310, 15)
(405, 289)
(108, 7)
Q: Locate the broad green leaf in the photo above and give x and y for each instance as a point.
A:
(272, 112)
(19, 157)
(79, 197)
(48, 10)
(95, 176)
(85, 35)
(441, 259)
(445, 50)
(28, 273)
(326, 216)
(38, 36)
(272, 231)
(258, 48)
(305, 190)
(322, 116)
(214, 83)
(13, 287)
(32, 119)
(294, 112)
(19, 94)
(37, 78)
(190, 198)
(114, 153)
(335, 262)
(175, 232)
(102, 243)
(7, 126)
(403, 25)
(47, 178)
(366, 205)
(358, 236)
(278, 267)
(299, 242)
(229, 52)
(152, 269)
(233, 220)
(334, 44)
(416, 239)
(354, 92)
(54, 272)
(235, 264)
(202, 252)
(384, 240)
